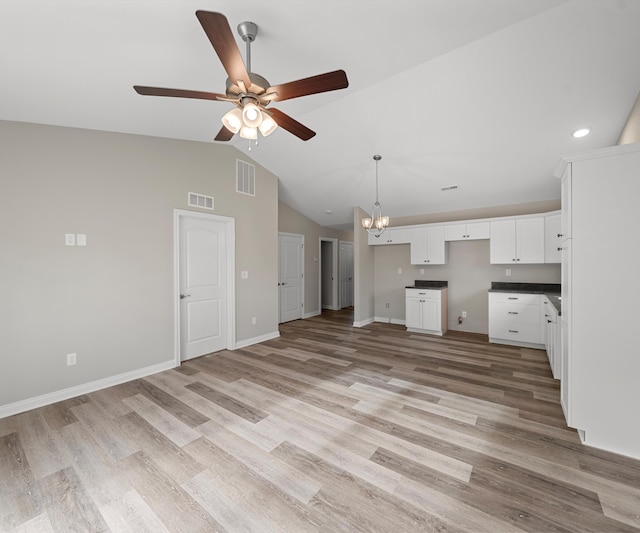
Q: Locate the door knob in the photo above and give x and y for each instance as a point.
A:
(183, 296)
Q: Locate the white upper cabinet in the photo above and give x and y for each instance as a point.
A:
(467, 232)
(553, 239)
(397, 235)
(518, 240)
(427, 245)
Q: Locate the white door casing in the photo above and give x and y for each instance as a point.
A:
(346, 274)
(291, 276)
(204, 250)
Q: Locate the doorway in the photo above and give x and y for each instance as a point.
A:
(328, 282)
(204, 257)
(346, 274)
(290, 276)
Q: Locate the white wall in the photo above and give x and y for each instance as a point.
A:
(111, 302)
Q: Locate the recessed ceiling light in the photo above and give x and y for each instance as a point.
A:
(581, 132)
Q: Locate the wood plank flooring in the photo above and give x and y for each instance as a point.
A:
(328, 428)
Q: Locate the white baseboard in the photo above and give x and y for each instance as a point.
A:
(362, 323)
(388, 320)
(312, 313)
(85, 388)
(256, 340)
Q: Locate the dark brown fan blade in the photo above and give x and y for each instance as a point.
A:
(217, 28)
(179, 93)
(321, 83)
(224, 135)
(292, 126)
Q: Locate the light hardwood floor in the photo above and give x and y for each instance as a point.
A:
(328, 428)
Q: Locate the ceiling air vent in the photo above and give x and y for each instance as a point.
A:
(245, 178)
(200, 200)
(449, 188)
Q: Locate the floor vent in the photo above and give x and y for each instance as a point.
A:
(245, 178)
(200, 200)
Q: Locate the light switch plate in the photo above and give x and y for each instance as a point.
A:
(70, 239)
(81, 239)
(244, 274)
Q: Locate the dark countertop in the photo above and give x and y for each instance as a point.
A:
(550, 290)
(427, 284)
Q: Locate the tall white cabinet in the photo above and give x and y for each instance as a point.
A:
(600, 371)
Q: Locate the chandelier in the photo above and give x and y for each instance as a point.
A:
(376, 223)
(248, 119)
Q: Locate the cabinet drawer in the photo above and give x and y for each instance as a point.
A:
(429, 294)
(520, 313)
(529, 333)
(514, 297)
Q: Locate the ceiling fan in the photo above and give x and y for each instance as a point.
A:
(250, 92)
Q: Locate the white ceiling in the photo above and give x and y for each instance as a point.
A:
(483, 94)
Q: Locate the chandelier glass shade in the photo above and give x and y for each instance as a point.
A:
(376, 223)
(247, 120)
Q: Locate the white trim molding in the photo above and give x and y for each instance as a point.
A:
(362, 323)
(85, 388)
(256, 340)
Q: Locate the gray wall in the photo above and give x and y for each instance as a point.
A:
(363, 272)
(112, 301)
(292, 221)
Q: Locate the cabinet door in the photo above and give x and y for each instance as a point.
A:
(435, 245)
(431, 314)
(413, 318)
(552, 239)
(397, 236)
(478, 230)
(455, 232)
(530, 240)
(418, 241)
(502, 245)
(380, 239)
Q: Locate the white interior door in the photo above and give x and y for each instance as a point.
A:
(203, 286)
(346, 274)
(291, 276)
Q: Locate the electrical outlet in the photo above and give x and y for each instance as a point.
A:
(71, 359)
(464, 314)
(70, 239)
(508, 271)
(399, 271)
(253, 320)
(422, 271)
(387, 305)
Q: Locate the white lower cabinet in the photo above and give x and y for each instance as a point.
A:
(426, 311)
(552, 336)
(514, 318)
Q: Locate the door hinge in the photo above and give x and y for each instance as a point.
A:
(301, 304)
(302, 275)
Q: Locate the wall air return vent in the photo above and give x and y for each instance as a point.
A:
(245, 178)
(200, 200)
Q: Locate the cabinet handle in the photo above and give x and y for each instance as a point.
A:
(548, 321)
(518, 259)
(422, 293)
(513, 312)
(513, 259)
(513, 331)
(559, 234)
(512, 298)
(559, 248)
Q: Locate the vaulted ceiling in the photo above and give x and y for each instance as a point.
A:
(482, 94)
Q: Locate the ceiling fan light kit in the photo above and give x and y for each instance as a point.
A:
(376, 223)
(250, 92)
